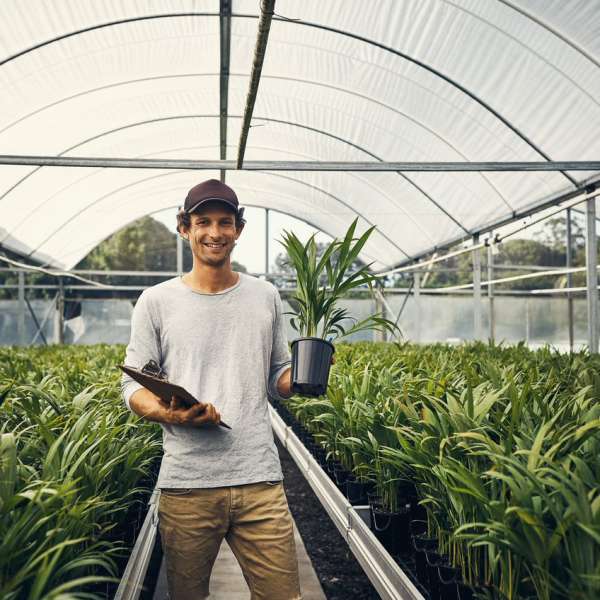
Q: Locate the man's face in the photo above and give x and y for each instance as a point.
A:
(213, 234)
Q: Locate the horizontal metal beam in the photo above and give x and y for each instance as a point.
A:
(266, 165)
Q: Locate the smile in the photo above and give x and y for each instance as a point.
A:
(214, 245)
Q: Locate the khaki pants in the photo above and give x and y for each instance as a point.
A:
(255, 521)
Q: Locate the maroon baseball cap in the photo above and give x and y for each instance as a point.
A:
(208, 191)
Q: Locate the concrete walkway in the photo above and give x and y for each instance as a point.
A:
(227, 581)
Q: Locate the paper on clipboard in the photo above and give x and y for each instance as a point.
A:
(162, 388)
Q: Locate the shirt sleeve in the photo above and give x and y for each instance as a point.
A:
(280, 354)
(144, 345)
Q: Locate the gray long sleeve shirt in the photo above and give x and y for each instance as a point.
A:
(227, 348)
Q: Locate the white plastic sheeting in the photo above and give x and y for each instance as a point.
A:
(343, 80)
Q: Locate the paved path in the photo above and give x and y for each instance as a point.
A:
(227, 581)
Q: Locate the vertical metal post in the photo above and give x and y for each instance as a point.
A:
(379, 336)
(570, 279)
(490, 287)
(60, 307)
(591, 263)
(179, 255)
(417, 295)
(21, 315)
(267, 234)
(527, 322)
(477, 320)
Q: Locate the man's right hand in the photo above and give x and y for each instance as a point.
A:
(202, 413)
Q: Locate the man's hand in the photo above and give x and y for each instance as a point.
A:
(202, 413)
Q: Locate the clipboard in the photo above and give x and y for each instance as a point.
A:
(162, 388)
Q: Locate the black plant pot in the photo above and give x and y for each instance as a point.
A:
(356, 491)
(417, 512)
(434, 560)
(422, 544)
(392, 529)
(340, 475)
(330, 469)
(311, 361)
(465, 591)
(449, 577)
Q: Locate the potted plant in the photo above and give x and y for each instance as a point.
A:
(317, 316)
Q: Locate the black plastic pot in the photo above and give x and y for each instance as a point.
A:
(465, 591)
(340, 475)
(422, 545)
(356, 491)
(392, 529)
(417, 512)
(449, 577)
(311, 361)
(434, 560)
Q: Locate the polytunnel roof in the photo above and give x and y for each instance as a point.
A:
(343, 80)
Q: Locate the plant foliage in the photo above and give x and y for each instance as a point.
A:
(502, 445)
(76, 468)
(316, 310)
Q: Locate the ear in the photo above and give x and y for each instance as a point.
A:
(183, 232)
(239, 230)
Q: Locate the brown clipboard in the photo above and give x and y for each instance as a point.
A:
(162, 388)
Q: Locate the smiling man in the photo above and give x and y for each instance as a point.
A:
(221, 335)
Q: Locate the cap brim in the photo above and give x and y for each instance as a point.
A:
(204, 200)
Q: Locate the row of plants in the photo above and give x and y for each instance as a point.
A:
(76, 469)
(481, 462)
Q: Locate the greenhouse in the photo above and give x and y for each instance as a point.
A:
(299, 299)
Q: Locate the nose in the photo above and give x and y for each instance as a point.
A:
(214, 231)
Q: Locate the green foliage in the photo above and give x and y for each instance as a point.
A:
(75, 467)
(501, 443)
(283, 265)
(315, 303)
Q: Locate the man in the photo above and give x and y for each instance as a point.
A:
(221, 335)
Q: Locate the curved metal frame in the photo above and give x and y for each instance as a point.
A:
(175, 206)
(551, 30)
(323, 27)
(160, 175)
(161, 119)
(279, 78)
(574, 82)
(411, 119)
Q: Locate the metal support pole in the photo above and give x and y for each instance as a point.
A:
(21, 315)
(591, 262)
(570, 279)
(60, 307)
(179, 255)
(490, 274)
(477, 320)
(417, 294)
(267, 234)
(225, 38)
(264, 25)
(527, 322)
(380, 336)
